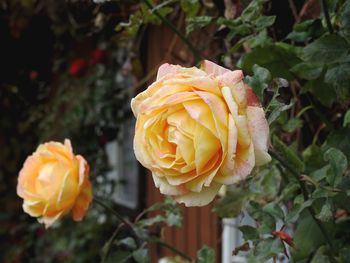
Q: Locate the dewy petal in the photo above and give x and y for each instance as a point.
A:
(199, 199)
(259, 131)
(206, 146)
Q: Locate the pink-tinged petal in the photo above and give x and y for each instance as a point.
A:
(82, 202)
(166, 69)
(201, 113)
(170, 101)
(239, 94)
(231, 103)
(167, 189)
(245, 161)
(243, 134)
(207, 175)
(213, 69)
(259, 131)
(201, 198)
(201, 83)
(216, 104)
(231, 78)
(252, 99)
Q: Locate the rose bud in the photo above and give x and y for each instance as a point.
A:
(78, 67)
(199, 129)
(54, 182)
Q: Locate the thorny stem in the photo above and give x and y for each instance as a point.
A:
(131, 226)
(326, 15)
(306, 197)
(195, 52)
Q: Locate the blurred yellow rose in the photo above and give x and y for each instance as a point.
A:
(53, 182)
(199, 129)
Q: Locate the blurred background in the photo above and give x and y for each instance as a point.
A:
(68, 69)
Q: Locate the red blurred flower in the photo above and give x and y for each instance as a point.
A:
(78, 67)
(33, 75)
(98, 56)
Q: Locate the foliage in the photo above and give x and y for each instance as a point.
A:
(299, 202)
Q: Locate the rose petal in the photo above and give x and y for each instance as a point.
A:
(259, 130)
(199, 199)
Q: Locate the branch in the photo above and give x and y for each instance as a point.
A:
(195, 52)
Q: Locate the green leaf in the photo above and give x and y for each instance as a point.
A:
(323, 91)
(264, 21)
(278, 109)
(346, 120)
(275, 210)
(338, 76)
(288, 191)
(231, 204)
(307, 71)
(312, 157)
(249, 232)
(306, 30)
(120, 256)
(260, 40)
(326, 213)
(190, 7)
(295, 212)
(345, 20)
(267, 223)
(259, 81)
(196, 22)
(266, 183)
(307, 238)
(327, 49)
(339, 139)
(320, 256)
(268, 248)
(277, 58)
(338, 162)
(293, 124)
(128, 242)
(206, 255)
(288, 154)
(321, 173)
(141, 255)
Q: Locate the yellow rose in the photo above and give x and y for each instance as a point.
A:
(53, 182)
(199, 129)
